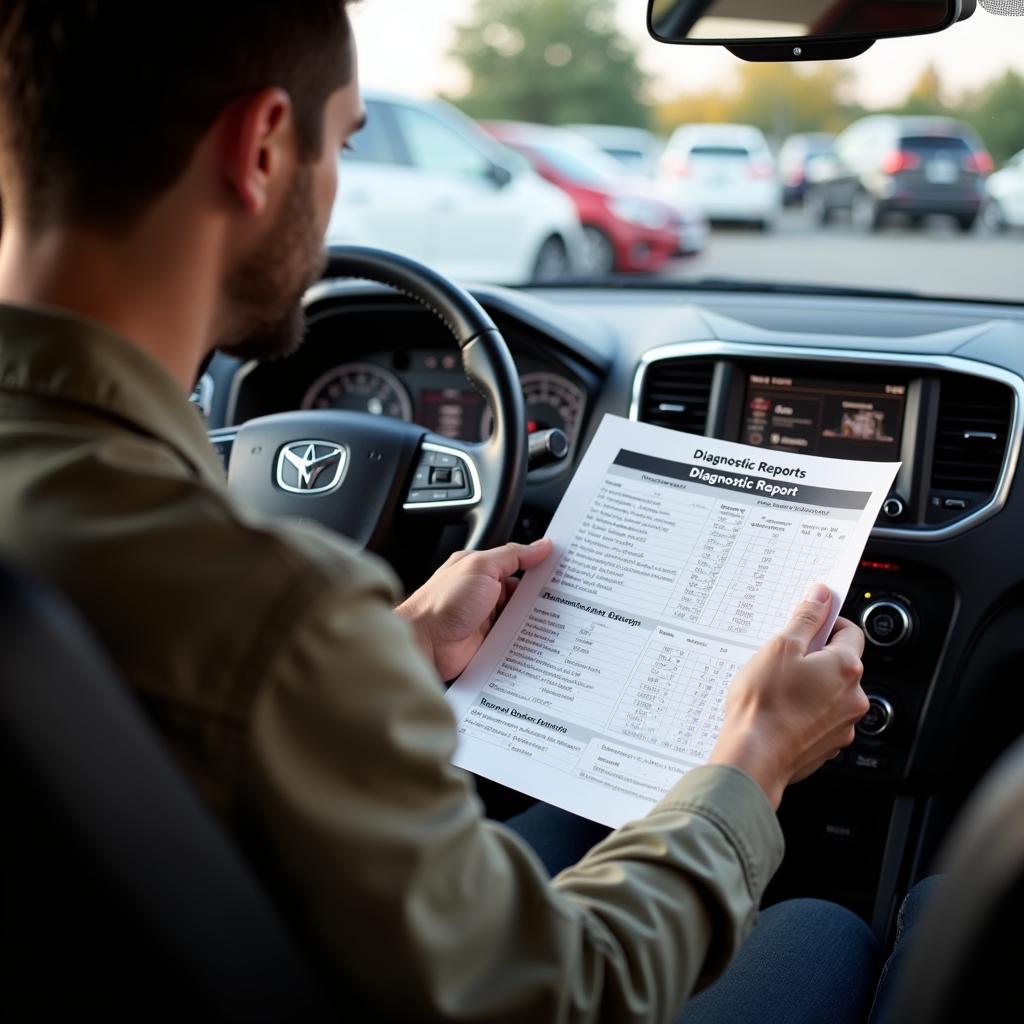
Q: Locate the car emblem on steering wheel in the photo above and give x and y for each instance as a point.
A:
(311, 467)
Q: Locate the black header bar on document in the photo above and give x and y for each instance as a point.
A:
(758, 487)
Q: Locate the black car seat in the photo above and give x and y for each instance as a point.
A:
(122, 896)
(964, 954)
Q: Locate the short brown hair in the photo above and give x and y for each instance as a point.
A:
(103, 102)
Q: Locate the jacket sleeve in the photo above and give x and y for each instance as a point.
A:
(434, 913)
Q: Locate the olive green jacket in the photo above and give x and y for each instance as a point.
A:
(270, 658)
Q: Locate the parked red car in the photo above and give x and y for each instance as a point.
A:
(625, 230)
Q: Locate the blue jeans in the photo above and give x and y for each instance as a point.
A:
(909, 915)
(806, 961)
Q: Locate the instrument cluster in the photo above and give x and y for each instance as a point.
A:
(429, 387)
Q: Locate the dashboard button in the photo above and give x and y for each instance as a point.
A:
(878, 718)
(871, 762)
(886, 623)
(893, 507)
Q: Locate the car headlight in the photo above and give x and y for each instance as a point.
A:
(639, 212)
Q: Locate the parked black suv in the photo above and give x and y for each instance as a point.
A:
(911, 165)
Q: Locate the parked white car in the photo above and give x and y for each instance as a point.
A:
(424, 180)
(725, 169)
(1004, 197)
(636, 149)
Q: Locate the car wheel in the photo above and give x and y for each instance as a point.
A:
(967, 223)
(816, 207)
(864, 212)
(993, 217)
(598, 252)
(552, 263)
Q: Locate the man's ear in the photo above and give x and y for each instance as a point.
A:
(257, 145)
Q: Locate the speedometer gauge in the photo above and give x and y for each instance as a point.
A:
(551, 401)
(360, 387)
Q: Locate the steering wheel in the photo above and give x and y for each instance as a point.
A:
(367, 476)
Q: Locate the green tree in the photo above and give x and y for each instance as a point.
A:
(777, 98)
(550, 61)
(925, 97)
(996, 111)
(998, 116)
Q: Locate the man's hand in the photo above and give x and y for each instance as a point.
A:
(454, 610)
(787, 711)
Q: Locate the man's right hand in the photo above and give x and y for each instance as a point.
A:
(787, 711)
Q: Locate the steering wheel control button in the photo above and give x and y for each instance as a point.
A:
(893, 507)
(442, 478)
(886, 623)
(442, 460)
(427, 495)
(223, 441)
(878, 718)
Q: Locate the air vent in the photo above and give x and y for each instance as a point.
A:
(676, 394)
(971, 434)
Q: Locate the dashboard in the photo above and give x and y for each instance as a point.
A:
(429, 388)
(937, 385)
(418, 378)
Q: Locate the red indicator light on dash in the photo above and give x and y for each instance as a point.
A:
(532, 426)
(880, 566)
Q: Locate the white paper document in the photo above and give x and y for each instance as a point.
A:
(676, 557)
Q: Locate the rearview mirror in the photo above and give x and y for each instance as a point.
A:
(794, 29)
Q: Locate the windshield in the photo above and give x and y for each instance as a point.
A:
(892, 171)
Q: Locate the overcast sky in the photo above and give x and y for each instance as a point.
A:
(403, 45)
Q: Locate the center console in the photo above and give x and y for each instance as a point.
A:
(953, 425)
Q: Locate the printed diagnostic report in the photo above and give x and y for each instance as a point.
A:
(675, 558)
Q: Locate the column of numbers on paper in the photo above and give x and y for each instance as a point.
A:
(810, 558)
(676, 697)
(767, 572)
(708, 556)
(631, 545)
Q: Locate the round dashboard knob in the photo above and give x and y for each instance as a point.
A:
(893, 507)
(886, 623)
(878, 717)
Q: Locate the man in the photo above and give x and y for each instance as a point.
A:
(166, 186)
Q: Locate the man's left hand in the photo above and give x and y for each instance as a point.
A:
(454, 610)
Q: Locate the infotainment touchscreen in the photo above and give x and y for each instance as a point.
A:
(839, 419)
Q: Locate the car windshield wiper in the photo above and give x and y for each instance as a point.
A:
(742, 286)
(735, 284)
(730, 284)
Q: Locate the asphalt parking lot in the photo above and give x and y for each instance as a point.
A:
(935, 260)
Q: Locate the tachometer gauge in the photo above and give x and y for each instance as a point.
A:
(360, 387)
(551, 401)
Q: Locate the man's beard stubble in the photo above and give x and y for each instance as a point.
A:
(264, 292)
